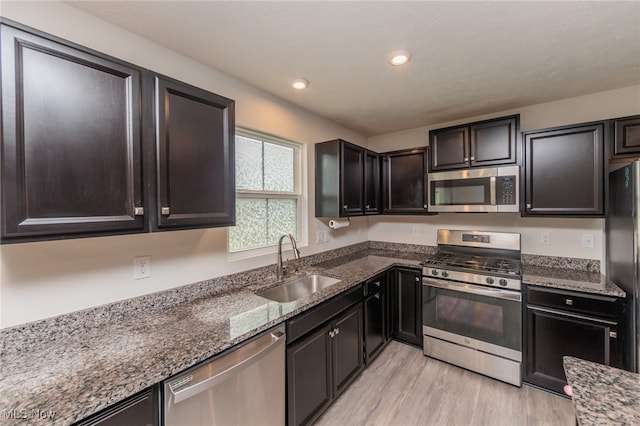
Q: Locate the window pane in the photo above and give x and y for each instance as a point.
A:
(250, 230)
(248, 163)
(283, 219)
(278, 168)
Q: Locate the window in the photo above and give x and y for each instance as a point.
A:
(268, 191)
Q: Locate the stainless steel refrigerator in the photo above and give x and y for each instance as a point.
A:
(623, 260)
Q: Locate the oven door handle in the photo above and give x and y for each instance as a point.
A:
(473, 289)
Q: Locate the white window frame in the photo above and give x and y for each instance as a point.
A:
(299, 193)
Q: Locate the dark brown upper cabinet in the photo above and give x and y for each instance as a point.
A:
(564, 171)
(195, 146)
(626, 139)
(79, 155)
(347, 180)
(71, 140)
(484, 143)
(405, 181)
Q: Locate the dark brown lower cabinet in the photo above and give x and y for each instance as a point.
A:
(376, 308)
(138, 410)
(562, 323)
(406, 306)
(321, 365)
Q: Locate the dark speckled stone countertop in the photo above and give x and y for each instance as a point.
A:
(603, 395)
(570, 279)
(81, 372)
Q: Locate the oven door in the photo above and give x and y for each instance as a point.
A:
(482, 318)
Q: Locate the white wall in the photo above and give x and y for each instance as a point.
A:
(566, 234)
(39, 280)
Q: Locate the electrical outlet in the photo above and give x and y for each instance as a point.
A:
(319, 236)
(545, 238)
(325, 237)
(588, 241)
(141, 267)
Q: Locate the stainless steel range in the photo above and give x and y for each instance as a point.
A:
(472, 303)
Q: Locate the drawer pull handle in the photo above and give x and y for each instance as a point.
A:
(568, 302)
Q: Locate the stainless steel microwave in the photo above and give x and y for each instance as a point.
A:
(493, 189)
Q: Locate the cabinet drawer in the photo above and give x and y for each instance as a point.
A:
(304, 323)
(571, 301)
(375, 284)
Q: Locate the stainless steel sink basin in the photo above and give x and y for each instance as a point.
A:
(298, 289)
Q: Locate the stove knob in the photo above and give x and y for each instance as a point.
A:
(489, 280)
(503, 282)
(434, 272)
(445, 274)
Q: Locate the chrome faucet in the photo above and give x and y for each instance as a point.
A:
(296, 254)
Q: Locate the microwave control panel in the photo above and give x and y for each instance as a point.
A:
(506, 190)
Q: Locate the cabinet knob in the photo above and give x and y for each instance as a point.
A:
(165, 211)
(377, 283)
(138, 211)
(528, 205)
(424, 206)
(417, 279)
(345, 206)
(367, 206)
(613, 334)
(568, 302)
(337, 330)
(466, 160)
(377, 296)
(473, 158)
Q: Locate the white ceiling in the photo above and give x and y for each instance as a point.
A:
(469, 58)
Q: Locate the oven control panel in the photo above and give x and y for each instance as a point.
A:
(473, 278)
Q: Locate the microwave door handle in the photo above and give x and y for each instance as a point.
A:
(492, 190)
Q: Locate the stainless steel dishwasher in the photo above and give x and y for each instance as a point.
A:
(243, 387)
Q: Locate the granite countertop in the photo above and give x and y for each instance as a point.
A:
(603, 395)
(81, 372)
(570, 279)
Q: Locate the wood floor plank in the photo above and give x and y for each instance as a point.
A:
(403, 387)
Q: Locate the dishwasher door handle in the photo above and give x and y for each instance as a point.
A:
(271, 343)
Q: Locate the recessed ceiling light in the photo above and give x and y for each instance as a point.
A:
(299, 84)
(399, 58)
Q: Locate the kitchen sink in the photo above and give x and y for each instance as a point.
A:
(298, 289)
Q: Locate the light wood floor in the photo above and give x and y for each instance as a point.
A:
(403, 387)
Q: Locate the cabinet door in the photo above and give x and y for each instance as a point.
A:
(408, 308)
(494, 142)
(626, 136)
(352, 185)
(309, 385)
(449, 148)
(195, 142)
(71, 140)
(406, 181)
(347, 348)
(564, 171)
(139, 410)
(371, 183)
(375, 318)
(552, 335)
